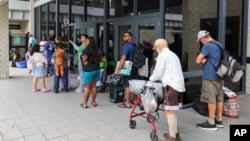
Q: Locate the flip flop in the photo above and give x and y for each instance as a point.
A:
(123, 105)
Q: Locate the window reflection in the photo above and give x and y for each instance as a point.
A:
(120, 8)
(63, 20)
(174, 30)
(148, 6)
(77, 2)
(95, 10)
(44, 13)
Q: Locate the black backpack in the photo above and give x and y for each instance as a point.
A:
(138, 56)
(200, 107)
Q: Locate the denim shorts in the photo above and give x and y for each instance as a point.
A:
(38, 71)
(88, 77)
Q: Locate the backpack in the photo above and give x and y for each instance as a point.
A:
(138, 56)
(31, 63)
(229, 68)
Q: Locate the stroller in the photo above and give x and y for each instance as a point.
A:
(139, 87)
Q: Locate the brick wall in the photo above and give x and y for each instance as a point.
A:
(193, 12)
(4, 40)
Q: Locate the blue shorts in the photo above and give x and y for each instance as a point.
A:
(88, 77)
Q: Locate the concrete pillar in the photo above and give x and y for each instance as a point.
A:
(248, 53)
(4, 41)
(32, 17)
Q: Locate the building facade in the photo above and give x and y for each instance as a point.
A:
(178, 21)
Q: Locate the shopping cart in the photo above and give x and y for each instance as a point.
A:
(138, 87)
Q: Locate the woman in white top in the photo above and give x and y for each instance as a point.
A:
(42, 43)
(168, 70)
(38, 71)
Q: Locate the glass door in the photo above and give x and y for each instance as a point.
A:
(116, 30)
(146, 32)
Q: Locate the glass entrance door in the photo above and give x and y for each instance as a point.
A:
(114, 51)
(146, 32)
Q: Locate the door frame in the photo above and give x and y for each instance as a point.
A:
(149, 20)
(83, 28)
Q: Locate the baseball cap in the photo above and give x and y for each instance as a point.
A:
(201, 34)
(159, 42)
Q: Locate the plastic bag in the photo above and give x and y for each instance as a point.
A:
(113, 79)
(136, 86)
(158, 88)
(148, 101)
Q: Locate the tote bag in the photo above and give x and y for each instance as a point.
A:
(126, 70)
(231, 107)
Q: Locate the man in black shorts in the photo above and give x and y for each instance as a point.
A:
(127, 54)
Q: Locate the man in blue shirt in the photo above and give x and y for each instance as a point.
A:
(32, 41)
(127, 54)
(49, 50)
(211, 92)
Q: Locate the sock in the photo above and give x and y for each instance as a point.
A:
(172, 122)
(210, 121)
(219, 119)
(176, 124)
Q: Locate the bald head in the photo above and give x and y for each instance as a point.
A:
(160, 43)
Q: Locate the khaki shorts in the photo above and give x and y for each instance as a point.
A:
(172, 99)
(211, 91)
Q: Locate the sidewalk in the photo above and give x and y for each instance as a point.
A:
(29, 116)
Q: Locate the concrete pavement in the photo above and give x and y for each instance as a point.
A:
(29, 116)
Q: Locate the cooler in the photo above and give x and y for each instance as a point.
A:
(116, 93)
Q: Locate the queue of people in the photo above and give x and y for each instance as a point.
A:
(167, 69)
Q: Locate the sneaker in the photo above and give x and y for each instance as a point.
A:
(207, 126)
(219, 123)
(79, 89)
(169, 139)
(46, 90)
(36, 90)
(167, 135)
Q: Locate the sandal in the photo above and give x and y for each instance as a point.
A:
(36, 90)
(93, 104)
(123, 105)
(84, 106)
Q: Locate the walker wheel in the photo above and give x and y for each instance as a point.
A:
(132, 124)
(153, 136)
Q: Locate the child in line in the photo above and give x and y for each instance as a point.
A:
(103, 74)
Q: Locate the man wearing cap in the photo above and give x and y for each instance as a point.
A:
(211, 91)
(168, 70)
